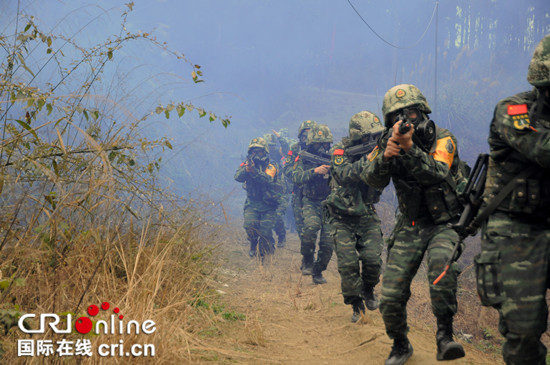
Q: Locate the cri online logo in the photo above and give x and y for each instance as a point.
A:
(85, 325)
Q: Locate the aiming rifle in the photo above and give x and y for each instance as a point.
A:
(468, 224)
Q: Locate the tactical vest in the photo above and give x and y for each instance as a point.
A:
(318, 187)
(531, 195)
(256, 191)
(352, 200)
(438, 202)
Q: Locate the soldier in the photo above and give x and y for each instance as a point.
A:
(423, 163)
(293, 152)
(313, 177)
(275, 155)
(512, 268)
(264, 189)
(355, 226)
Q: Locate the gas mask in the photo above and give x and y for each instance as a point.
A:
(424, 128)
(258, 156)
(319, 148)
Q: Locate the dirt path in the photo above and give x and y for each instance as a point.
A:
(291, 321)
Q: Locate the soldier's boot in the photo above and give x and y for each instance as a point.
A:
(447, 348)
(358, 310)
(307, 265)
(371, 301)
(400, 351)
(318, 276)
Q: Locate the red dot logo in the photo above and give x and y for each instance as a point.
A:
(93, 310)
(105, 306)
(116, 310)
(83, 325)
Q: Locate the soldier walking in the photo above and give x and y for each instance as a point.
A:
(313, 177)
(355, 226)
(512, 268)
(423, 163)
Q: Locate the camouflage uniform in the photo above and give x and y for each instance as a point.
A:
(512, 268)
(275, 155)
(425, 180)
(355, 226)
(263, 199)
(315, 189)
(288, 166)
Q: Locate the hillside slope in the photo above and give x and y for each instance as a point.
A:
(291, 321)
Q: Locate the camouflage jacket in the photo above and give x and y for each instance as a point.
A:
(349, 195)
(425, 182)
(516, 142)
(314, 186)
(288, 167)
(264, 189)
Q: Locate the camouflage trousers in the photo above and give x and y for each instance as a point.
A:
(258, 224)
(404, 258)
(313, 214)
(358, 245)
(279, 227)
(512, 276)
(297, 209)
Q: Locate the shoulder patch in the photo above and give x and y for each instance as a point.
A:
(242, 164)
(444, 151)
(521, 121)
(338, 152)
(338, 159)
(271, 170)
(372, 155)
(290, 152)
(517, 109)
(297, 158)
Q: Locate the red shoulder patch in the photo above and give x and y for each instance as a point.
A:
(517, 109)
(242, 164)
(297, 158)
(290, 153)
(338, 152)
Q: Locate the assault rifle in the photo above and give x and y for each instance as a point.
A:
(319, 160)
(323, 159)
(467, 224)
(473, 191)
(365, 147)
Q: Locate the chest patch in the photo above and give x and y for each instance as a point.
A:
(338, 160)
(271, 170)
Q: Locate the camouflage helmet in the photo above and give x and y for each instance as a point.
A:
(539, 68)
(364, 123)
(308, 124)
(270, 139)
(258, 142)
(320, 133)
(403, 96)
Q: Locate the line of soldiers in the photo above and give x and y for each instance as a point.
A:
(334, 191)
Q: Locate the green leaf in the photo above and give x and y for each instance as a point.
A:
(110, 53)
(181, 110)
(28, 127)
(226, 122)
(202, 113)
(85, 114)
(170, 107)
(159, 109)
(212, 117)
(168, 144)
(49, 41)
(40, 104)
(167, 114)
(49, 50)
(49, 107)
(55, 168)
(27, 27)
(95, 114)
